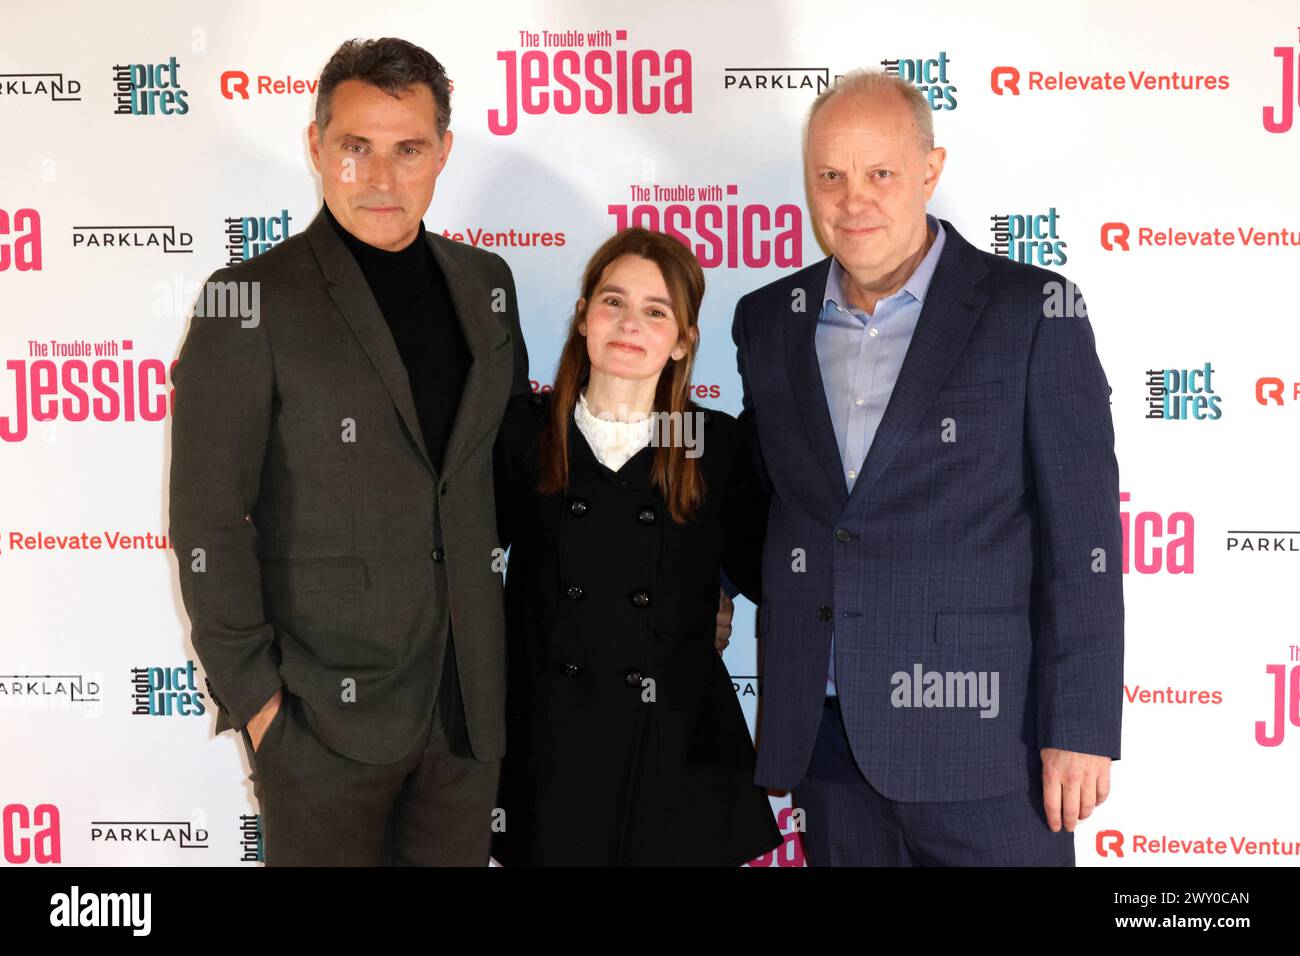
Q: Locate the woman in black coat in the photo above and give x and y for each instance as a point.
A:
(625, 742)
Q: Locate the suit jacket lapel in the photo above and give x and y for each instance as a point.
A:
(347, 286)
(952, 307)
(806, 379)
(472, 301)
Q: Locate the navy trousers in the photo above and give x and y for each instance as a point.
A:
(849, 823)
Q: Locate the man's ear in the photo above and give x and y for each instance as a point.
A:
(933, 170)
(446, 150)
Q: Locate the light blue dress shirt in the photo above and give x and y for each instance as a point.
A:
(860, 357)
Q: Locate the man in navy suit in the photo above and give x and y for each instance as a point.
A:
(942, 614)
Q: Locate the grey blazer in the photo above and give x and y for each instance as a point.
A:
(318, 548)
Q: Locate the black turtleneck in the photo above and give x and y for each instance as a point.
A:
(412, 294)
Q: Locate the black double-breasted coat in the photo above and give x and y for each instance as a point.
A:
(625, 742)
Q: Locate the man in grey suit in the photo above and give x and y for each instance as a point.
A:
(331, 506)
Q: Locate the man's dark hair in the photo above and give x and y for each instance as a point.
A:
(391, 64)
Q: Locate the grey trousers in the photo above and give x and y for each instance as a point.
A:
(319, 808)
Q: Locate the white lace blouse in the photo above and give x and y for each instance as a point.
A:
(612, 442)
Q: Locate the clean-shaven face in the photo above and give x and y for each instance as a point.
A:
(379, 159)
(869, 178)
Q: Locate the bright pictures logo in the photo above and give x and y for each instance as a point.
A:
(929, 75)
(149, 89)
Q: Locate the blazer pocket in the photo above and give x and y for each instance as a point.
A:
(280, 575)
(982, 626)
(976, 392)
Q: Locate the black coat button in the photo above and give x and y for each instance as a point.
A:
(646, 516)
(574, 592)
(570, 670)
(439, 554)
(578, 507)
(633, 677)
(823, 613)
(535, 401)
(444, 488)
(641, 599)
(843, 534)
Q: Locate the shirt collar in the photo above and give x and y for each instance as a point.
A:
(917, 284)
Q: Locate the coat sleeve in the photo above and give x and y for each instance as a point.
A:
(1078, 574)
(746, 511)
(224, 390)
(749, 425)
(744, 517)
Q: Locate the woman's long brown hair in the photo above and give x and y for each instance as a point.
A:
(676, 476)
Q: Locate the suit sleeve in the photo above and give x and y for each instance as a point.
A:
(1078, 572)
(502, 479)
(519, 383)
(224, 384)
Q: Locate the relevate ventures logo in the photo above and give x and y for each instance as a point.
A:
(1115, 843)
(236, 84)
(1121, 237)
(1012, 81)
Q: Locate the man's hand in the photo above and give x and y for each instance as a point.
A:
(258, 723)
(1074, 783)
(726, 608)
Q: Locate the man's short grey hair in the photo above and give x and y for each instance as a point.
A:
(873, 82)
(393, 65)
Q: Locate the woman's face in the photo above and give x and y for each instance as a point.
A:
(630, 326)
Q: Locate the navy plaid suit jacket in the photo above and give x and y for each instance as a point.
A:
(982, 535)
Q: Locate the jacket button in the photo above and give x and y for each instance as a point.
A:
(578, 507)
(574, 592)
(641, 599)
(842, 535)
(646, 516)
(823, 613)
(443, 490)
(570, 670)
(438, 554)
(535, 401)
(632, 678)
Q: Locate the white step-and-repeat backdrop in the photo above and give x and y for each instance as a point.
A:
(1147, 151)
